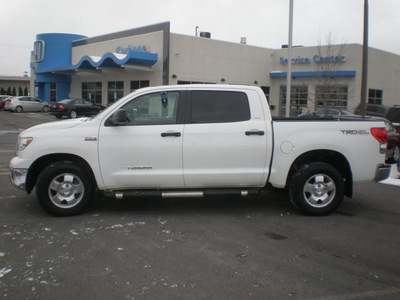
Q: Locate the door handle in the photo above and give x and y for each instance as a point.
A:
(176, 134)
(255, 132)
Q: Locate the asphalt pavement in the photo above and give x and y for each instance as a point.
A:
(213, 248)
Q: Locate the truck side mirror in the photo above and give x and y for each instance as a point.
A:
(120, 117)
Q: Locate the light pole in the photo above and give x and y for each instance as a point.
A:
(364, 74)
(289, 72)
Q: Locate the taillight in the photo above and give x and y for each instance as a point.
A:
(61, 107)
(380, 134)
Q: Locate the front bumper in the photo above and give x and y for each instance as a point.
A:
(18, 178)
(382, 172)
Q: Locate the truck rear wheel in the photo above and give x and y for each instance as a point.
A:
(317, 189)
(63, 189)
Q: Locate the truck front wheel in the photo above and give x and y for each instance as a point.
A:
(317, 189)
(63, 189)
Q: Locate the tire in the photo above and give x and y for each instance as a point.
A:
(317, 189)
(396, 155)
(72, 114)
(19, 109)
(45, 109)
(64, 189)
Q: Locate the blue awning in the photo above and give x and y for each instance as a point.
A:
(108, 60)
(314, 74)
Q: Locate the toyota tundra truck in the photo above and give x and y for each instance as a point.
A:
(194, 141)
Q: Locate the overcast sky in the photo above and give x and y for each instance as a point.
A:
(263, 22)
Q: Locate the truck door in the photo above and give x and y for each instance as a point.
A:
(225, 141)
(146, 152)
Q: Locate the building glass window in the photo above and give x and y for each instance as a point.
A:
(375, 96)
(266, 90)
(115, 91)
(298, 95)
(332, 97)
(92, 91)
(53, 92)
(138, 84)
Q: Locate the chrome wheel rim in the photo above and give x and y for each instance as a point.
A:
(319, 190)
(66, 190)
(396, 154)
(73, 114)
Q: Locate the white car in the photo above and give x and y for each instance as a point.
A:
(26, 103)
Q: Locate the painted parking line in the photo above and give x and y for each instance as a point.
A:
(7, 151)
(4, 174)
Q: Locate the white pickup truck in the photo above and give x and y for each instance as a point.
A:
(193, 141)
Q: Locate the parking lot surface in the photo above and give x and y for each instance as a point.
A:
(212, 248)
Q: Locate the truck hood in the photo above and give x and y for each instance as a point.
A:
(57, 125)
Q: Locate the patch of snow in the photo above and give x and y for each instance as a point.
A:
(161, 221)
(4, 271)
(394, 178)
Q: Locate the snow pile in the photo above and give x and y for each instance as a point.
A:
(394, 178)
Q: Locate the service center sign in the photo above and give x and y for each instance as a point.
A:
(315, 59)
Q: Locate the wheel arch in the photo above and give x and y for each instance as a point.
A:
(331, 157)
(41, 163)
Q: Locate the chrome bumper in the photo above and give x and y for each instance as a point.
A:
(382, 172)
(18, 178)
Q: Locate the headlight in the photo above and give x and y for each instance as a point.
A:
(23, 142)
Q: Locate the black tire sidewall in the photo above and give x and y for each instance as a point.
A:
(300, 178)
(46, 177)
(19, 109)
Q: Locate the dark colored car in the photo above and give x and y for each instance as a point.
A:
(393, 115)
(375, 110)
(73, 108)
(3, 101)
(393, 143)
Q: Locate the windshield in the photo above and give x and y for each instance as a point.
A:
(66, 101)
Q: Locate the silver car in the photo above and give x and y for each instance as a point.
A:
(26, 103)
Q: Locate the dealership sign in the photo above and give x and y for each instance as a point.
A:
(315, 59)
(128, 49)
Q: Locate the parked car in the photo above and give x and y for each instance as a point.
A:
(393, 115)
(330, 112)
(73, 108)
(3, 101)
(26, 103)
(393, 143)
(376, 110)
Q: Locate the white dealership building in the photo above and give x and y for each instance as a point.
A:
(108, 67)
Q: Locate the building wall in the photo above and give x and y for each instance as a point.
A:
(153, 43)
(14, 82)
(188, 59)
(384, 74)
(206, 60)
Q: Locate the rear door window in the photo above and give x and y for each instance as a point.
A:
(219, 107)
